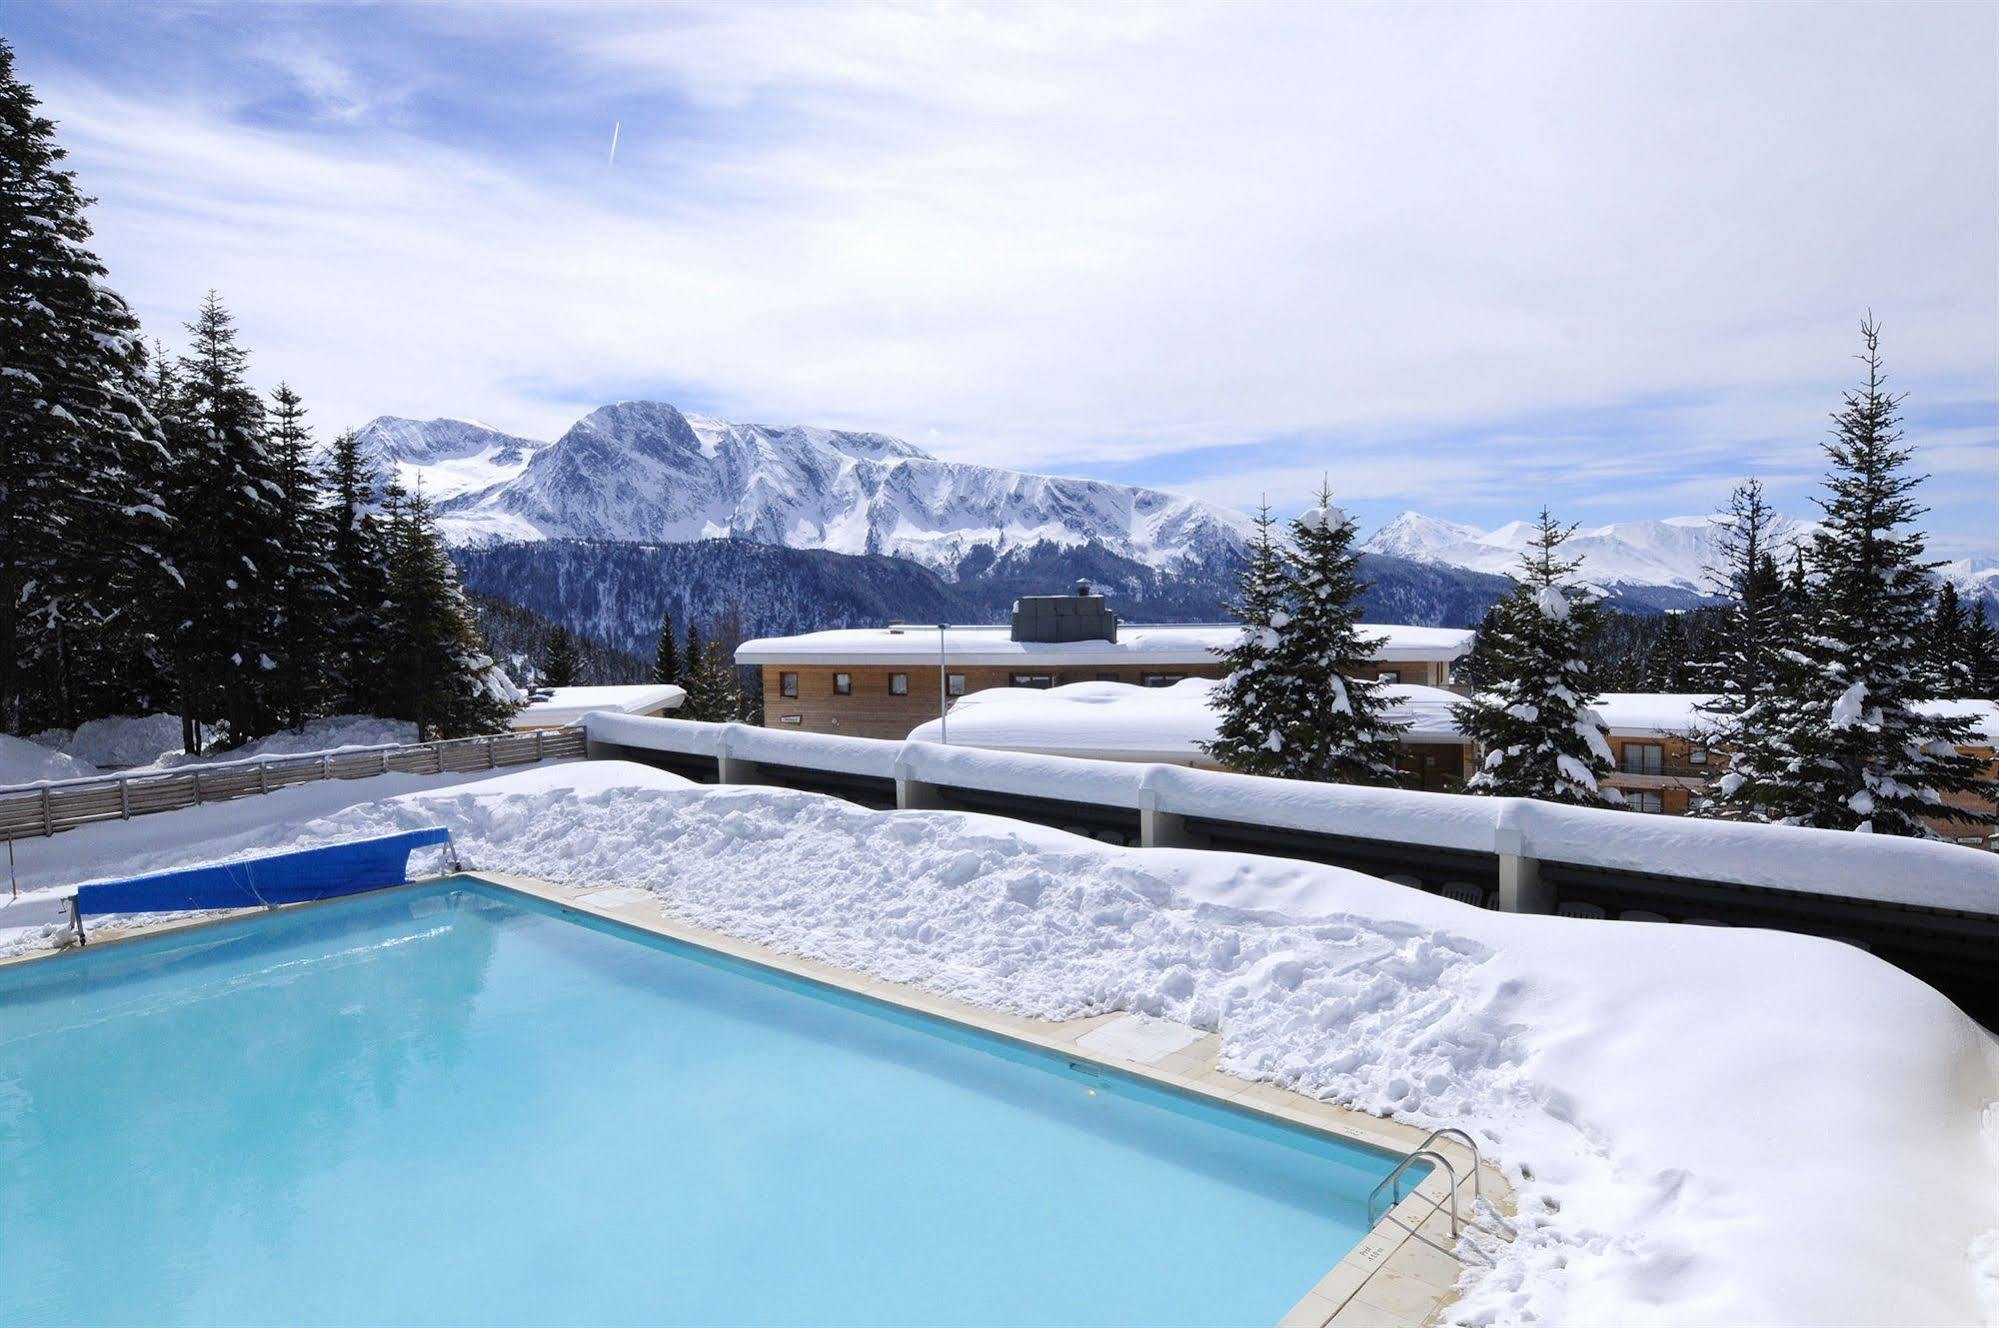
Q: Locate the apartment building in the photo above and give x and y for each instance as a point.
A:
(1661, 764)
(881, 682)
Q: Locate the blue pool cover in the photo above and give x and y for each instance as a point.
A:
(276, 878)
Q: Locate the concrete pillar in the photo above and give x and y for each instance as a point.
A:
(735, 770)
(1521, 889)
(1158, 829)
(914, 795)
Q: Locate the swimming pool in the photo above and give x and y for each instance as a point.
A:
(460, 1104)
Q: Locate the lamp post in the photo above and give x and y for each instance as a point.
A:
(943, 690)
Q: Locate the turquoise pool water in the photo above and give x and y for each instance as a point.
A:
(460, 1105)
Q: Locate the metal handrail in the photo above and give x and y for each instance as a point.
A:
(1492, 1224)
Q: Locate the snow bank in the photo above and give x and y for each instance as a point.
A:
(1704, 1125)
(331, 734)
(1925, 873)
(24, 762)
(746, 742)
(121, 740)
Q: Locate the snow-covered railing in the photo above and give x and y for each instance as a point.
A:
(1519, 834)
(31, 810)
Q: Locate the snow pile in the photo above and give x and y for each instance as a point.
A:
(118, 741)
(1704, 1125)
(1120, 721)
(24, 762)
(331, 734)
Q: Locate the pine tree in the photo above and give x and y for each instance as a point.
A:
(357, 550)
(1668, 668)
(1252, 696)
(1530, 715)
(1849, 748)
(443, 679)
(304, 592)
(1753, 671)
(712, 692)
(224, 495)
(81, 522)
(666, 656)
(1335, 726)
(1951, 646)
(693, 655)
(561, 666)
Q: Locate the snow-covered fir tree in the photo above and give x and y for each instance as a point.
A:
(1849, 748)
(1962, 649)
(358, 552)
(1529, 714)
(1751, 671)
(561, 664)
(710, 679)
(666, 654)
(305, 596)
(1253, 697)
(224, 496)
(443, 680)
(1335, 727)
(82, 527)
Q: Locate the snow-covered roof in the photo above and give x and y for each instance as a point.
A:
(1984, 716)
(1673, 714)
(1120, 722)
(1190, 643)
(1660, 714)
(566, 705)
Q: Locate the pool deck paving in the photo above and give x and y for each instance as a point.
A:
(1389, 1280)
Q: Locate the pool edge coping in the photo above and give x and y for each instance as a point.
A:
(1417, 1279)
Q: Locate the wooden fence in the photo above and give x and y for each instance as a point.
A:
(33, 810)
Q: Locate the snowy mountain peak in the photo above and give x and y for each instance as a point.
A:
(643, 471)
(446, 457)
(1673, 552)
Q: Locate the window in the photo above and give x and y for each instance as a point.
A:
(954, 684)
(898, 684)
(1697, 756)
(843, 684)
(1644, 758)
(1645, 800)
(1161, 679)
(787, 685)
(1040, 680)
(1389, 675)
(1107, 677)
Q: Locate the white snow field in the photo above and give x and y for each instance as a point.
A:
(1704, 1125)
(130, 743)
(24, 762)
(120, 740)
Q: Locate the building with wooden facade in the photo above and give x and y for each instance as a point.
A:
(882, 682)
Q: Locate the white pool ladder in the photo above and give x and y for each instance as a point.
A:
(1481, 1216)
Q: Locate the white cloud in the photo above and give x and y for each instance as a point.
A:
(1107, 233)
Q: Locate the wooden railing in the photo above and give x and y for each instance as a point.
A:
(33, 810)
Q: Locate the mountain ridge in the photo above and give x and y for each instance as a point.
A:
(645, 471)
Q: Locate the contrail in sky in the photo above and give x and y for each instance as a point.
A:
(614, 144)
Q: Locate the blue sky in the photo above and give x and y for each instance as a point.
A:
(1462, 260)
